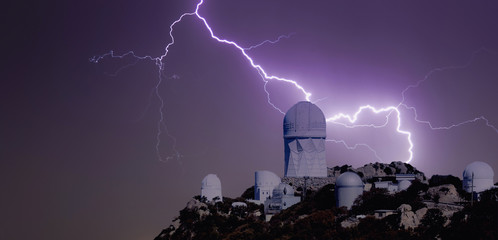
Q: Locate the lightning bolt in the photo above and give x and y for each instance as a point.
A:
(159, 61)
(352, 119)
(427, 77)
(269, 41)
(432, 127)
(336, 119)
(354, 147)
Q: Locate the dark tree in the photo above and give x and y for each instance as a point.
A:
(432, 224)
(248, 193)
(438, 180)
(344, 168)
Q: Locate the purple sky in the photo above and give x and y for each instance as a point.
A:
(78, 145)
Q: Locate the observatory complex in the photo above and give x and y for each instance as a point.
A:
(304, 133)
(304, 141)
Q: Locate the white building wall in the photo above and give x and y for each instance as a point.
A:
(345, 196)
(480, 184)
(305, 157)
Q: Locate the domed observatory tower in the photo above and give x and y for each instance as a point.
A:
(304, 139)
(477, 177)
(348, 187)
(265, 182)
(211, 188)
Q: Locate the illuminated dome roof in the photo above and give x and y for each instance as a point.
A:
(211, 188)
(211, 181)
(304, 119)
(266, 178)
(349, 179)
(283, 189)
(479, 169)
(265, 182)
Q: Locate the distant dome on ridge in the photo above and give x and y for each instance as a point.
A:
(211, 188)
(304, 119)
(403, 185)
(477, 177)
(211, 181)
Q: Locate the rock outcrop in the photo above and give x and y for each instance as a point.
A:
(372, 170)
(350, 222)
(444, 194)
(408, 218)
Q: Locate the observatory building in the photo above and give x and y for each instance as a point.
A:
(477, 177)
(264, 183)
(282, 198)
(211, 188)
(348, 187)
(304, 139)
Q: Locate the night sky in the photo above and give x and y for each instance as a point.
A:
(78, 139)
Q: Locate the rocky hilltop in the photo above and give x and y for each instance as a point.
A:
(428, 209)
(368, 173)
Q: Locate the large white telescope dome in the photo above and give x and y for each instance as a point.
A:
(478, 177)
(304, 119)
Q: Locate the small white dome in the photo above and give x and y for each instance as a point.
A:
(283, 189)
(211, 181)
(479, 169)
(304, 119)
(403, 185)
(349, 179)
(239, 204)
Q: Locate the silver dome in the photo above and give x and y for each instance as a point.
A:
(304, 119)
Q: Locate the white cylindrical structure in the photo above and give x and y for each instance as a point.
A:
(477, 177)
(348, 187)
(304, 139)
(211, 188)
(264, 183)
